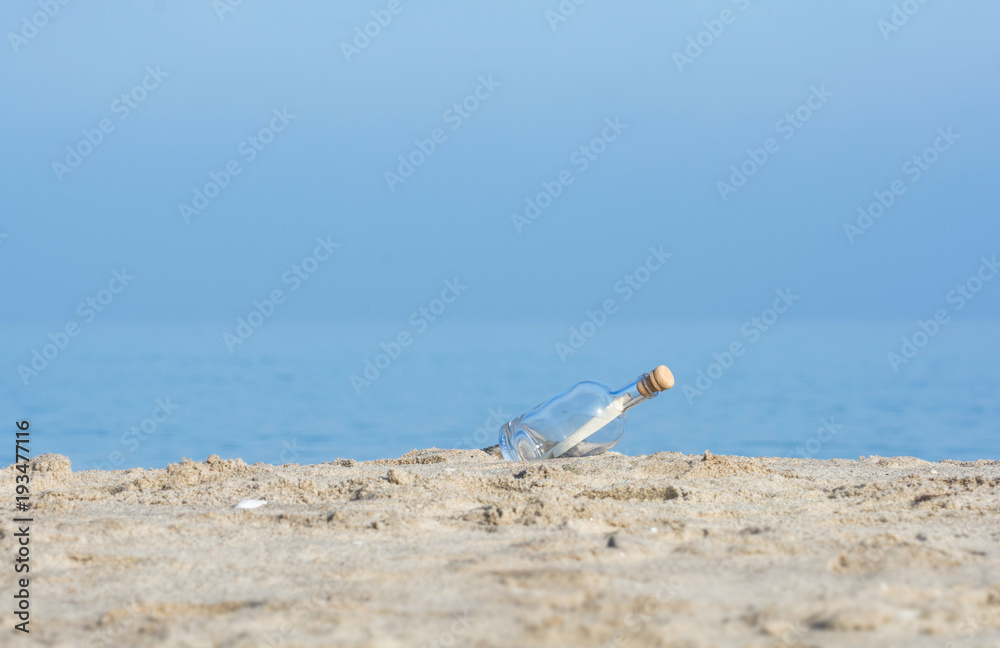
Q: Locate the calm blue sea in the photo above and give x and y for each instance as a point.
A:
(801, 389)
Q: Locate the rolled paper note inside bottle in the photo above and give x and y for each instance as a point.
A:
(610, 413)
(585, 420)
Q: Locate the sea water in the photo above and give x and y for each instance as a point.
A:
(144, 395)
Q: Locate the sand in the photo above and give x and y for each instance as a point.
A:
(460, 548)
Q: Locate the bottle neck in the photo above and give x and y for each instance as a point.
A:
(634, 393)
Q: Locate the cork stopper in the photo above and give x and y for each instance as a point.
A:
(659, 379)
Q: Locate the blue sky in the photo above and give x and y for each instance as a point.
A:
(551, 88)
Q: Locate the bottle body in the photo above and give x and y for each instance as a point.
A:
(587, 419)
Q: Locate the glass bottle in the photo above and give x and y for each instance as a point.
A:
(585, 420)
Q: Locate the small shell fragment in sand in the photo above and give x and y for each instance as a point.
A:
(249, 504)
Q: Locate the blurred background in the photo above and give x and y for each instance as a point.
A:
(310, 231)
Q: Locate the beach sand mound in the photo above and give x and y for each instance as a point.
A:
(458, 547)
